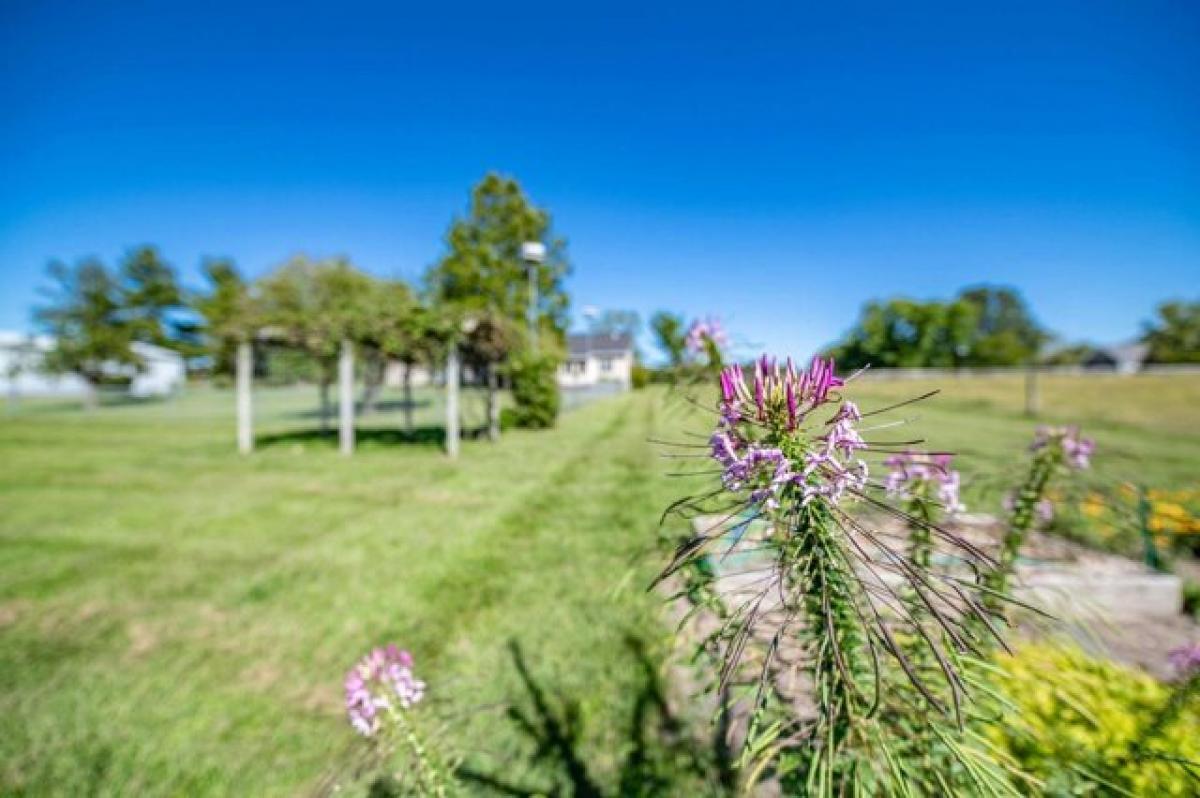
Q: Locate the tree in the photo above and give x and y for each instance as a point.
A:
(151, 298)
(228, 312)
(981, 327)
(490, 340)
(671, 336)
(482, 269)
(314, 306)
(1174, 337)
(1005, 333)
(385, 331)
(93, 336)
(616, 322)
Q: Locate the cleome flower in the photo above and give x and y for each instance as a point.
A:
(706, 329)
(763, 445)
(382, 680)
(1186, 659)
(924, 476)
(1076, 449)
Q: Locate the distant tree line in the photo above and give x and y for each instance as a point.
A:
(476, 297)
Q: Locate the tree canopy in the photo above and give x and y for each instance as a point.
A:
(483, 269)
(670, 334)
(983, 326)
(1174, 337)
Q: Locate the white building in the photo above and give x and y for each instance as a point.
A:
(21, 373)
(597, 360)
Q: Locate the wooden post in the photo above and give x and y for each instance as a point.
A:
(493, 403)
(346, 398)
(452, 380)
(1032, 396)
(245, 411)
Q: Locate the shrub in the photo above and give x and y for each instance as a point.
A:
(534, 390)
(1079, 720)
(640, 376)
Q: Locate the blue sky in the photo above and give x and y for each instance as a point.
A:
(774, 164)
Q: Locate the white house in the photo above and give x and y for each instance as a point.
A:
(597, 359)
(21, 372)
(1126, 358)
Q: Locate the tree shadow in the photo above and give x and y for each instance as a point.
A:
(428, 435)
(663, 756)
(378, 406)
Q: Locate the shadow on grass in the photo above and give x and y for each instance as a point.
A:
(379, 406)
(662, 757)
(419, 436)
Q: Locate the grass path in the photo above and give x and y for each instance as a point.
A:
(175, 620)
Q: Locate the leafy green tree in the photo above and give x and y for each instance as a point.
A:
(670, 334)
(86, 317)
(1174, 337)
(314, 306)
(152, 300)
(482, 269)
(1006, 333)
(385, 331)
(228, 313)
(490, 340)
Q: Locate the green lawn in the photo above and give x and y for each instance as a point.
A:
(175, 619)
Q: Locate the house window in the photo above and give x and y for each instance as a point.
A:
(575, 367)
(606, 364)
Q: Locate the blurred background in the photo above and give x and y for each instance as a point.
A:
(327, 325)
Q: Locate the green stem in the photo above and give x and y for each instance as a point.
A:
(1024, 508)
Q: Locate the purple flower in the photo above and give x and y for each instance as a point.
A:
(703, 331)
(381, 680)
(917, 474)
(1186, 659)
(1076, 450)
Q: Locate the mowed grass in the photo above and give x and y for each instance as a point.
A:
(176, 620)
(1147, 428)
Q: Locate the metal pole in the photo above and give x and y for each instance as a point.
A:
(452, 379)
(531, 271)
(245, 411)
(346, 398)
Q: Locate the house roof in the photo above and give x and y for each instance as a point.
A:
(583, 344)
(1132, 352)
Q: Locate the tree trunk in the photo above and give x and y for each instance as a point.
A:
(408, 399)
(493, 403)
(326, 409)
(452, 378)
(91, 396)
(374, 370)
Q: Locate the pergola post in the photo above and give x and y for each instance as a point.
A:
(452, 380)
(346, 398)
(245, 411)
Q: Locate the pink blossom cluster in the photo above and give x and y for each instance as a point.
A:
(1186, 659)
(708, 328)
(775, 404)
(380, 678)
(924, 475)
(1076, 449)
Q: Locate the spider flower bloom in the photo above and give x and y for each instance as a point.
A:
(924, 476)
(1076, 449)
(1186, 659)
(381, 680)
(761, 446)
(706, 329)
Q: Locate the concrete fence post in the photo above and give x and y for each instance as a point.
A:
(346, 398)
(452, 379)
(245, 411)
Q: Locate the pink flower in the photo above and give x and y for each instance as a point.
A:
(380, 678)
(915, 473)
(1076, 450)
(1186, 659)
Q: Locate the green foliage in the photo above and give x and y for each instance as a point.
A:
(1090, 727)
(482, 269)
(982, 327)
(315, 305)
(534, 390)
(152, 299)
(228, 312)
(640, 376)
(670, 334)
(1174, 337)
(86, 317)
(1191, 598)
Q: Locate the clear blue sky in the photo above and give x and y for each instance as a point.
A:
(775, 164)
